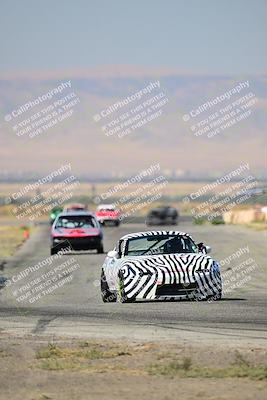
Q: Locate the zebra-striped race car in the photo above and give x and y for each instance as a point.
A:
(160, 265)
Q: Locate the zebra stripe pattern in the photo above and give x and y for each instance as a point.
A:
(194, 276)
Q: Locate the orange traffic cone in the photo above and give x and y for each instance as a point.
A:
(26, 233)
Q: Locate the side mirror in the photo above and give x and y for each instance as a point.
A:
(208, 249)
(113, 254)
(203, 249)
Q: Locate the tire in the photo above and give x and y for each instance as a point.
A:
(122, 297)
(53, 251)
(215, 297)
(107, 296)
(100, 249)
(218, 297)
(117, 223)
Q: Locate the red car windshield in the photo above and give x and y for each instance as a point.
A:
(74, 222)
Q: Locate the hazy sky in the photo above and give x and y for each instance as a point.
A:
(220, 36)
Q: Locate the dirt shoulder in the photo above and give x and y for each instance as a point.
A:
(38, 368)
(12, 237)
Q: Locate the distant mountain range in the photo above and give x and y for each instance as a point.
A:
(168, 139)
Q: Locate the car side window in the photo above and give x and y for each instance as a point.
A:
(96, 223)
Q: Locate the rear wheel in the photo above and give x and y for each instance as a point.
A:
(107, 295)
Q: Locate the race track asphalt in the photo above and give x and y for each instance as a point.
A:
(76, 308)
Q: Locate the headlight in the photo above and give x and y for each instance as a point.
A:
(215, 266)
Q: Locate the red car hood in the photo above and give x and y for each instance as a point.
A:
(75, 232)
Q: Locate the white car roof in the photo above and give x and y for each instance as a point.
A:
(105, 206)
(154, 233)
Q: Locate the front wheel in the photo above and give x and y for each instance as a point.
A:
(53, 251)
(122, 296)
(100, 249)
(107, 295)
(215, 297)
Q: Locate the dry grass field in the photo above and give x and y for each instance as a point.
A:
(171, 193)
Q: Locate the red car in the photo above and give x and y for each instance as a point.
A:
(75, 207)
(107, 214)
(77, 230)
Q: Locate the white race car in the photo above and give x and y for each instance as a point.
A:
(159, 265)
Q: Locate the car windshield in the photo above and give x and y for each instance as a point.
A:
(166, 244)
(76, 221)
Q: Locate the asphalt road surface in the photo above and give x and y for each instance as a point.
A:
(76, 308)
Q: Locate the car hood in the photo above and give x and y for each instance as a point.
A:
(171, 262)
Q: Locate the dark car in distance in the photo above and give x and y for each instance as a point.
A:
(162, 215)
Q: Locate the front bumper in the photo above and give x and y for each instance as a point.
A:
(78, 243)
(202, 285)
(108, 220)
